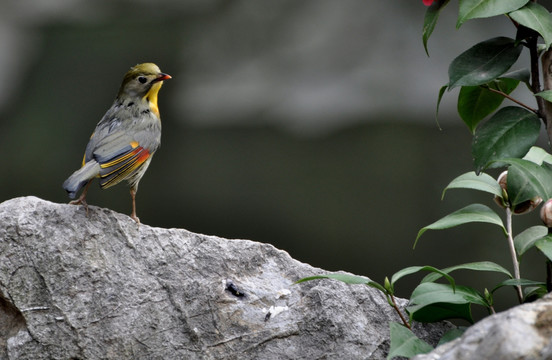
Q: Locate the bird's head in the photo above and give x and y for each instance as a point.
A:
(144, 81)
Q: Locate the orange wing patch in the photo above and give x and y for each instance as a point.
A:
(123, 166)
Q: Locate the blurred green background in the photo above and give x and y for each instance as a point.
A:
(309, 125)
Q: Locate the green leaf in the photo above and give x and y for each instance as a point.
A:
(536, 17)
(346, 278)
(481, 182)
(538, 155)
(523, 75)
(405, 343)
(476, 266)
(530, 291)
(546, 95)
(476, 102)
(472, 9)
(527, 238)
(516, 282)
(451, 335)
(432, 293)
(441, 311)
(527, 180)
(468, 214)
(430, 20)
(439, 298)
(545, 246)
(483, 62)
(509, 133)
(414, 269)
(440, 97)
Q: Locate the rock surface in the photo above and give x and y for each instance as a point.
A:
(523, 332)
(100, 287)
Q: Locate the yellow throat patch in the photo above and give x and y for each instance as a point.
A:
(151, 97)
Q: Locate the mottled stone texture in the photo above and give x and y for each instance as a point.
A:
(523, 332)
(74, 286)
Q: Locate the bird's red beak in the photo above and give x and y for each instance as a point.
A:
(162, 76)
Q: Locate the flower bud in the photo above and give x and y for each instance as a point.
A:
(502, 201)
(546, 213)
(527, 206)
(387, 285)
(488, 297)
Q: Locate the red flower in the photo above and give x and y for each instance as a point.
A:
(428, 2)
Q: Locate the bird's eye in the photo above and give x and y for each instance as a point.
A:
(142, 79)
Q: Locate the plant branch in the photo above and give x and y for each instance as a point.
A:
(548, 276)
(513, 252)
(534, 62)
(546, 109)
(396, 307)
(512, 99)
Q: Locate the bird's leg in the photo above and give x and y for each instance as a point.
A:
(82, 199)
(133, 215)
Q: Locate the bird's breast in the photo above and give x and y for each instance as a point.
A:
(154, 108)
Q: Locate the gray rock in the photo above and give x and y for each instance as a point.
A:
(523, 332)
(100, 287)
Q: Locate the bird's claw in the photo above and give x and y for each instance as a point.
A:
(135, 218)
(80, 201)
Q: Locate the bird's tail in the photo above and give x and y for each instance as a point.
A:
(81, 177)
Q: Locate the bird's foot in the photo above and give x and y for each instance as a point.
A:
(135, 218)
(80, 201)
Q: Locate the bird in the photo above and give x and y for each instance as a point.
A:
(125, 139)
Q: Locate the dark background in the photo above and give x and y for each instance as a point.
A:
(305, 124)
